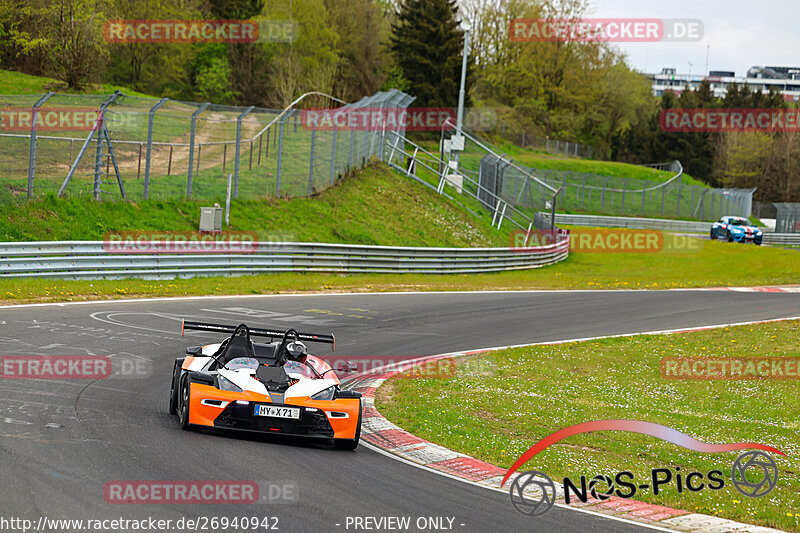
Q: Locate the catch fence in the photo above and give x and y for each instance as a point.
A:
(668, 194)
(113, 146)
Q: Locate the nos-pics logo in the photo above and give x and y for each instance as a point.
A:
(533, 493)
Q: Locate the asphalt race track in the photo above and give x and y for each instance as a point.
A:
(62, 441)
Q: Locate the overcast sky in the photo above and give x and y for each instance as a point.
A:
(741, 33)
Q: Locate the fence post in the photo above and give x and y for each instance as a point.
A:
(98, 163)
(191, 148)
(678, 211)
(333, 156)
(711, 211)
(583, 189)
(150, 120)
(624, 189)
(260, 138)
(644, 194)
(169, 163)
(32, 149)
(280, 157)
(224, 156)
(238, 150)
(603, 195)
(311, 159)
(352, 146)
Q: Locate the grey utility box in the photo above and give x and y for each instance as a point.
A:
(211, 219)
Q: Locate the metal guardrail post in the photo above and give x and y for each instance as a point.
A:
(32, 149)
(150, 119)
(311, 159)
(238, 150)
(191, 147)
(281, 123)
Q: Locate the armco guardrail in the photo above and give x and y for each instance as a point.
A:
(782, 239)
(682, 226)
(678, 226)
(90, 260)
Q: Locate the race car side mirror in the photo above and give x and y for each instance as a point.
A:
(194, 350)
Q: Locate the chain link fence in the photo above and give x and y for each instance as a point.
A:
(592, 193)
(787, 218)
(529, 189)
(552, 146)
(117, 145)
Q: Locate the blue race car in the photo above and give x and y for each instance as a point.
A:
(735, 229)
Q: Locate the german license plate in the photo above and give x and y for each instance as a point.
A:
(277, 412)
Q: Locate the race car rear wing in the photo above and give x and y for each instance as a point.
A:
(273, 333)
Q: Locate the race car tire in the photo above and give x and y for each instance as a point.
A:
(713, 235)
(183, 403)
(173, 390)
(730, 237)
(350, 444)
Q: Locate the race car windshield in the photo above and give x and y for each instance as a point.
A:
(738, 222)
(242, 362)
(296, 369)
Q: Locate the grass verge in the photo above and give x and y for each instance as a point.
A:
(498, 407)
(713, 264)
(373, 206)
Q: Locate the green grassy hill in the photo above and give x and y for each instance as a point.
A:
(374, 206)
(18, 83)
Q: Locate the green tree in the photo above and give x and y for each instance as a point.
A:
(427, 45)
(361, 65)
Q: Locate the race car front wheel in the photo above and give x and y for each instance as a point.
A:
(183, 403)
(174, 388)
(350, 444)
(713, 236)
(730, 237)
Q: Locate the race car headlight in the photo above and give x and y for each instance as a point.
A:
(226, 384)
(326, 394)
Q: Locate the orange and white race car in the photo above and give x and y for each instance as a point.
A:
(275, 387)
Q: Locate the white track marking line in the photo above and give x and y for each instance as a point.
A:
(503, 491)
(563, 506)
(398, 293)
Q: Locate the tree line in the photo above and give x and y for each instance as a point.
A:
(570, 90)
